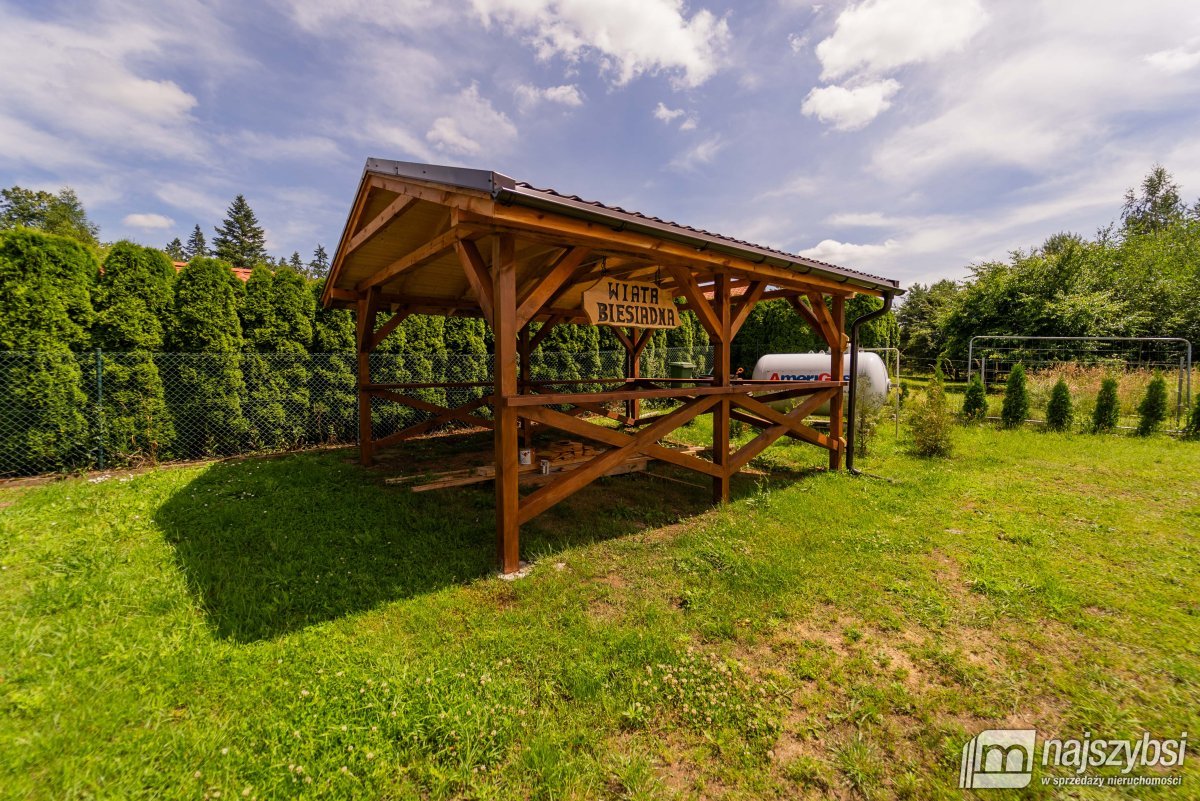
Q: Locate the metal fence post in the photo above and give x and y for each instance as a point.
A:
(99, 409)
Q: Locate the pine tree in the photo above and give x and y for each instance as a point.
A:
(1107, 413)
(296, 263)
(1015, 408)
(1059, 412)
(206, 376)
(174, 250)
(975, 405)
(318, 267)
(196, 245)
(1152, 411)
(45, 314)
(240, 240)
(131, 299)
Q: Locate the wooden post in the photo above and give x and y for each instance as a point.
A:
(720, 417)
(366, 310)
(523, 350)
(837, 371)
(504, 317)
(633, 369)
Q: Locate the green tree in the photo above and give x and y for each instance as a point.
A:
(1107, 413)
(318, 266)
(277, 319)
(1192, 429)
(45, 314)
(1152, 411)
(240, 240)
(62, 214)
(922, 320)
(1156, 206)
(1059, 413)
(975, 405)
(1015, 409)
(131, 299)
(929, 420)
(197, 245)
(332, 384)
(206, 370)
(174, 250)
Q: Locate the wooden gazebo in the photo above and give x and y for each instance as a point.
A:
(426, 239)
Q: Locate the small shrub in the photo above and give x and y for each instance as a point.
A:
(1107, 413)
(1016, 399)
(1059, 412)
(1153, 408)
(869, 413)
(1192, 429)
(930, 421)
(975, 406)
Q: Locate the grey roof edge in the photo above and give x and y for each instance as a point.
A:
(507, 190)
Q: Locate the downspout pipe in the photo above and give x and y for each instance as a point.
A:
(853, 401)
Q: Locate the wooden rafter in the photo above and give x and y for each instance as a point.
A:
(541, 292)
(544, 331)
(783, 424)
(457, 413)
(430, 250)
(382, 332)
(382, 220)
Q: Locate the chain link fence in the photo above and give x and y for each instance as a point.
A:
(62, 411)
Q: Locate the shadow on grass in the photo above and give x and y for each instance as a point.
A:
(272, 545)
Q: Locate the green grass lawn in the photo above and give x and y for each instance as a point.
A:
(294, 627)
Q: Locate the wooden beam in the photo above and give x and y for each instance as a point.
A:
(555, 398)
(367, 309)
(543, 332)
(608, 436)
(697, 302)
(837, 356)
(626, 342)
(477, 275)
(432, 408)
(784, 423)
(748, 302)
(504, 327)
(816, 302)
(721, 366)
(544, 289)
(599, 235)
(387, 328)
(430, 250)
(577, 479)
(417, 429)
(810, 318)
(382, 220)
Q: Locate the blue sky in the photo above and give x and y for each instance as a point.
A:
(909, 138)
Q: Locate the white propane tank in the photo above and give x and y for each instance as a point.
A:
(873, 382)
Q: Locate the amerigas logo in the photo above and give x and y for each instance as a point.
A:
(998, 758)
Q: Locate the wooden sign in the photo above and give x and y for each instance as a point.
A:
(631, 303)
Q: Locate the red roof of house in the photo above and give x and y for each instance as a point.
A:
(241, 273)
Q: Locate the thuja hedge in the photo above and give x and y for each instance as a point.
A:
(198, 363)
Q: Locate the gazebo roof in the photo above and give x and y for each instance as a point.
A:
(408, 221)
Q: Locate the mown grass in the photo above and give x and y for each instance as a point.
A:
(292, 627)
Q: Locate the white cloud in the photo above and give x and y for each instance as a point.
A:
(880, 35)
(86, 87)
(848, 254)
(472, 127)
(190, 198)
(628, 38)
(689, 124)
(272, 147)
(797, 42)
(873, 219)
(850, 109)
(1175, 61)
(528, 96)
(154, 221)
(798, 186)
(698, 155)
(317, 16)
(661, 112)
